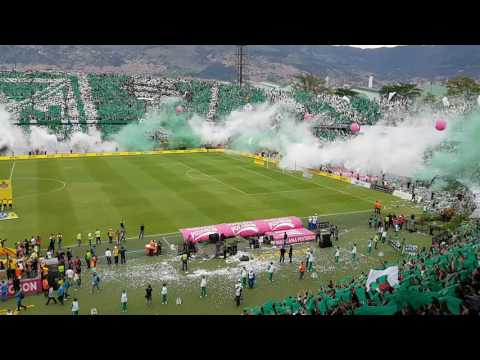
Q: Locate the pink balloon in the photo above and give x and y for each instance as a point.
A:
(440, 125)
(355, 127)
(179, 109)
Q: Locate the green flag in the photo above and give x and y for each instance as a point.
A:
(377, 310)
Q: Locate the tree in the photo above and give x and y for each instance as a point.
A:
(309, 83)
(462, 86)
(401, 89)
(345, 92)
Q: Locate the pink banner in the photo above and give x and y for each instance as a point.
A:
(29, 287)
(244, 228)
(293, 236)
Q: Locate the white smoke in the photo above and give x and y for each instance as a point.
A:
(377, 149)
(14, 140)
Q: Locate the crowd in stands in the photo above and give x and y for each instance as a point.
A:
(112, 99)
(233, 97)
(441, 280)
(198, 94)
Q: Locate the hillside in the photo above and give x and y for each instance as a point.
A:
(266, 63)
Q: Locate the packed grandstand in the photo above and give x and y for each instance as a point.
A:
(52, 99)
(440, 279)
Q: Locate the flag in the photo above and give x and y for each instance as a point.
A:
(377, 310)
(391, 95)
(391, 274)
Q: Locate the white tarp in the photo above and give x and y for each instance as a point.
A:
(360, 183)
(391, 272)
(402, 195)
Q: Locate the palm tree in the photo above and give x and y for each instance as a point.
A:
(309, 83)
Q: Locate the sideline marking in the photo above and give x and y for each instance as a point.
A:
(11, 172)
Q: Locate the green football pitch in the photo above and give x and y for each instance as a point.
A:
(168, 192)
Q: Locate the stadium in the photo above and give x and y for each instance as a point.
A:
(137, 194)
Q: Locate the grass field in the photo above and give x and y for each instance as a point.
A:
(168, 192)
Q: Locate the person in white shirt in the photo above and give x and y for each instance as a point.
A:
(384, 236)
(124, 300)
(203, 286)
(238, 292)
(108, 256)
(354, 251)
(75, 307)
(77, 280)
(70, 274)
(9, 312)
(310, 261)
(307, 258)
(270, 271)
(337, 254)
(164, 294)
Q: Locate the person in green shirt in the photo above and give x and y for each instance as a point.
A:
(98, 239)
(90, 239)
(79, 239)
(369, 246)
(184, 259)
(88, 257)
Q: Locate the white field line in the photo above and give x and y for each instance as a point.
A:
(315, 183)
(214, 178)
(64, 185)
(11, 172)
(166, 241)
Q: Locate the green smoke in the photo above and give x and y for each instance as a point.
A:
(459, 158)
(137, 136)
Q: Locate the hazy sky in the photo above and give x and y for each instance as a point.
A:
(372, 46)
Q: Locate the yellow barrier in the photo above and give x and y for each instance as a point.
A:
(109, 154)
(332, 176)
(313, 171)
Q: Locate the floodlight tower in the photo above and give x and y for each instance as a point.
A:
(241, 64)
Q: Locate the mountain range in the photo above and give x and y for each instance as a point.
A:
(272, 63)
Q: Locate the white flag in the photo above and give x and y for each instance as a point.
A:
(391, 95)
(478, 100)
(346, 99)
(391, 272)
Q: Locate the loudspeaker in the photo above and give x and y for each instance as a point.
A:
(325, 241)
(213, 238)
